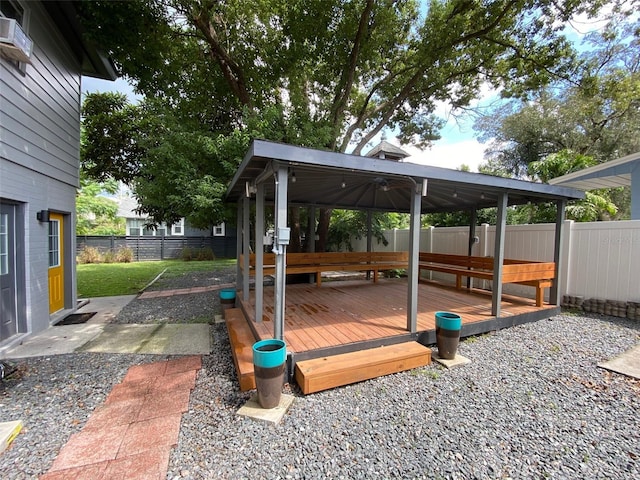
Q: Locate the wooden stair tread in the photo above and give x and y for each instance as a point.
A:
(343, 369)
(242, 339)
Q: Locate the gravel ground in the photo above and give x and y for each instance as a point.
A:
(190, 308)
(531, 404)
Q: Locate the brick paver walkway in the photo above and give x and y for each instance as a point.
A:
(131, 435)
(185, 291)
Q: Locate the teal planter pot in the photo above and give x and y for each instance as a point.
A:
(269, 360)
(448, 327)
(227, 294)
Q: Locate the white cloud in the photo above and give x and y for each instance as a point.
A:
(446, 154)
(449, 155)
(96, 85)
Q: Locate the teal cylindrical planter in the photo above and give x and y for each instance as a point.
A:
(269, 359)
(227, 299)
(448, 327)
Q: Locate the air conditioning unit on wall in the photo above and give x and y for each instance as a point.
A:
(14, 43)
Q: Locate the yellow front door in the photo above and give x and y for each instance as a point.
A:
(56, 263)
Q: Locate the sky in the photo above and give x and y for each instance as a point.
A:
(457, 145)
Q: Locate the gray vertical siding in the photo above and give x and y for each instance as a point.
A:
(39, 153)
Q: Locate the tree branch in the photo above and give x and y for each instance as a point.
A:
(231, 71)
(348, 74)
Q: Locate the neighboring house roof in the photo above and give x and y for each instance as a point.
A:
(622, 172)
(387, 150)
(94, 62)
(127, 206)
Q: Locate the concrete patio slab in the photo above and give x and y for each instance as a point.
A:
(167, 339)
(627, 364)
(56, 341)
(252, 409)
(457, 361)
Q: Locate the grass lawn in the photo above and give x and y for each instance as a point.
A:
(109, 279)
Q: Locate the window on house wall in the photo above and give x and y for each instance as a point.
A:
(218, 230)
(178, 228)
(15, 10)
(54, 243)
(4, 244)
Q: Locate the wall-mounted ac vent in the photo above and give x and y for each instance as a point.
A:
(14, 43)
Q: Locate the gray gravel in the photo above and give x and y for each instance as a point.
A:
(531, 404)
(189, 308)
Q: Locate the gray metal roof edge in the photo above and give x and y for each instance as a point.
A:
(245, 161)
(305, 155)
(587, 173)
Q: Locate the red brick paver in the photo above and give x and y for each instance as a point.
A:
(131, 435)
(184, 291)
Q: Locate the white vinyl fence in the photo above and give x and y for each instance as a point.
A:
(601, 259)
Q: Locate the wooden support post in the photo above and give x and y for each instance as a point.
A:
(498, 254)
(414, 257)
(259, 278)
(555, 291)
(246, 237)
(239, 276)
(280, 214)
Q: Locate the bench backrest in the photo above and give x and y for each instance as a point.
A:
(512, 270)
(483, 263)
(332, 258)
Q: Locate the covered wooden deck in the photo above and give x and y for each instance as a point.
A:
(350, 312)
(342, 318)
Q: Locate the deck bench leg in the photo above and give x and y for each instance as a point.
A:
(539, 295)
(458, 282)
(375, 276)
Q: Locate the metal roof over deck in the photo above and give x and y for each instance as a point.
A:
(316, 177)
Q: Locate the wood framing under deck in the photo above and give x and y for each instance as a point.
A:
(351, 316)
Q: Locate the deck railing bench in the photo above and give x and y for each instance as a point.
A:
(317, 263)
(522, 272)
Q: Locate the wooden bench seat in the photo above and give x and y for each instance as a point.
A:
(316, 263)
(522, 272)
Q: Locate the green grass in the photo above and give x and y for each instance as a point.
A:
(109, 279)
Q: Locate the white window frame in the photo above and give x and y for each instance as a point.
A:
(178, 226)
(54, 243)
(219, 230)
(4, 244)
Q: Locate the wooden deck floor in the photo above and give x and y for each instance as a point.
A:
(346, 312)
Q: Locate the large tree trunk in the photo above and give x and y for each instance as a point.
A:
(295, 246)
(323, 229)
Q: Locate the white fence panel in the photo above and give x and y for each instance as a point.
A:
(601, 259)
(605, 261)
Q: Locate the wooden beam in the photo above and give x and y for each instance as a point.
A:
(241, 339)
(498, 253)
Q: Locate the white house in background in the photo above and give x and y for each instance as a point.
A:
(136, 223)
(42, 58)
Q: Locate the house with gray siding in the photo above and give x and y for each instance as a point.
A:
(39, 164)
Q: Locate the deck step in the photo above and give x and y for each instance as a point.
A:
(328, 372)
(242, 340)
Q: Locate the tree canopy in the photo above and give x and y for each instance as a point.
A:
(574, 123)
(321, 73)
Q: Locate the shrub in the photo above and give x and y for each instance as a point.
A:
(187, 254)
(90, 255)
(206, 254)
(124, 255)
(109, 257)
